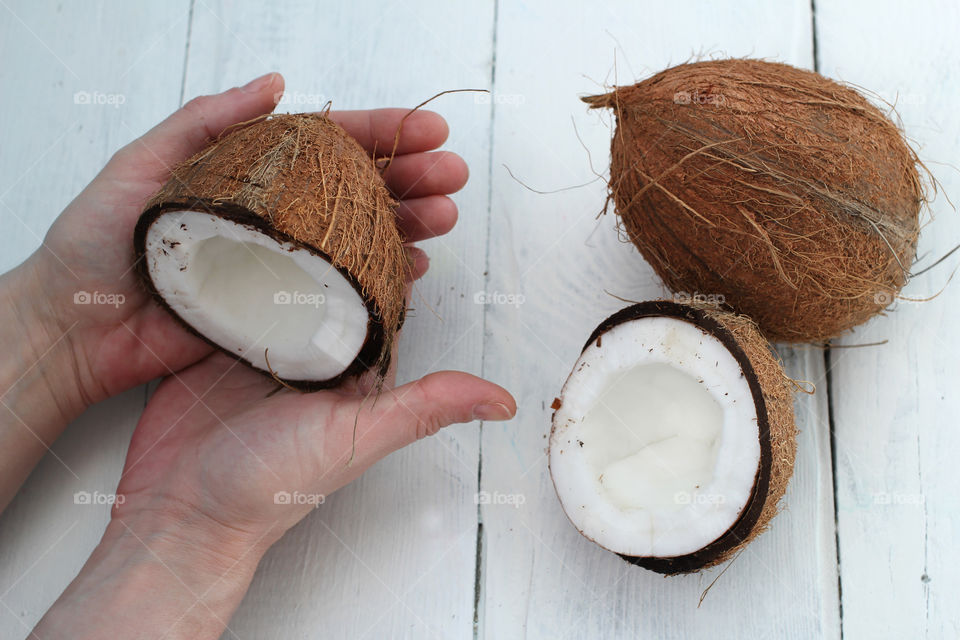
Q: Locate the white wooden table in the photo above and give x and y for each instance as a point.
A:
(867, 546)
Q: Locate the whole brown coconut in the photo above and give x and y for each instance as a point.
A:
(304, 182)
(787, 193)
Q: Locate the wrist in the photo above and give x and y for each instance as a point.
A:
(40, 362)
(39, 389)
(154, 577)
(187, 538)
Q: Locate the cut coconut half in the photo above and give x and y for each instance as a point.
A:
(260, 298)
(278, 245)
(673, 438)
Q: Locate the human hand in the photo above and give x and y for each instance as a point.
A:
(63, 356)
(88, 248)
(212, 451)
(212, 479)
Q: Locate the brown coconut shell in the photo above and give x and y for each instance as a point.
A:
(789, 194)
(301, 178)
(773, 398)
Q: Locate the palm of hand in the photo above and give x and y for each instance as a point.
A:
(211, 443)
(132, 341)
(218, 446)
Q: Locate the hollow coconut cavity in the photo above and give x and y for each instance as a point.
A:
(674, 438)
(278, 245)
(788, 194)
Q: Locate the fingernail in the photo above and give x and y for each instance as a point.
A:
(492, 411)
(258, 83)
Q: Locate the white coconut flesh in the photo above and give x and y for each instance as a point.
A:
(255, 296)
(655, 448)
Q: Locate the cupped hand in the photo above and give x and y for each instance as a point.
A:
(223, 460)
(217, 443)
(214, 450)
(118, 337)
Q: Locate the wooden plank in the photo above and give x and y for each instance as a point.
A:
(81, 80)
(540, 577)
(393, 554)
(893, 405)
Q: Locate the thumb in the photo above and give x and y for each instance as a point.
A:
(418, 409)
(190, 128)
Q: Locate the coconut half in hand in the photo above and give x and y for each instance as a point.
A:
(278, 245)
(674, 437)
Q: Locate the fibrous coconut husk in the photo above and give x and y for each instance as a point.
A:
(302, 178)
(789, 194)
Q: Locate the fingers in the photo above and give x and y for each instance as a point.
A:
(419, 262)
(424, 174)
(427, 217)
(376, 129)
(421, 408)
(190, 128)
